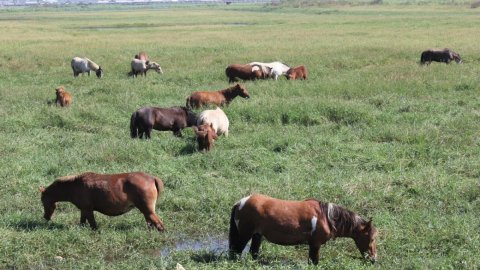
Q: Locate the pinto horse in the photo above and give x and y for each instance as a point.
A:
(219, 98)
(109, 194)
(296, 222)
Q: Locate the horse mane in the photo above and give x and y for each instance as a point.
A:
(92, 64)
(67, 178)
(341, 220)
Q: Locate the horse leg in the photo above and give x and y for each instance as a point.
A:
(88, 214)
(83, 217)
(148, 131)
(177, 132)
(313, 253)
(255, 245)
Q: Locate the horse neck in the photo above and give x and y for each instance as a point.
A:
(343, 222)
(59, 191)
(229, 93)
(92, 65)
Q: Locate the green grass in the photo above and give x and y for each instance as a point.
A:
(370, 130)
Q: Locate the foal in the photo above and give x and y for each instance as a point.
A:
(296, 222)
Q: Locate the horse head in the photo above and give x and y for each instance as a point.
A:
(155, 66)
(99, 72)
(241, 91)
(48, 205)
(364, 237)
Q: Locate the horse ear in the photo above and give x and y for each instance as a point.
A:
(368, 226)
(41, 189)
(211, 125)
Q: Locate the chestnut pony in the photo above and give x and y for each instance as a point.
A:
(219, 98)
(205, 136)
(109, 194)
(296, 222)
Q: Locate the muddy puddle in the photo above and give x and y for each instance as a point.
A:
(216, 245)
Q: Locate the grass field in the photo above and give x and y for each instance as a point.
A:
(370, 129)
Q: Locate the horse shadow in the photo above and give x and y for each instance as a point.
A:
(33, 225)
(209, 257)
(188, 149)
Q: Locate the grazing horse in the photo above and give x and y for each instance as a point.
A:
(244, 72)
(63, 98)
(440, 55)
(219, 98)
(81, 65)
(205, 136)
(296, 222)
(299, 72)
(148, 118)
(141, 67)
(274, 69)
(217, 118)
(109, 194)
(142, 56)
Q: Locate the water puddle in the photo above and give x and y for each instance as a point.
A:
(216, 245)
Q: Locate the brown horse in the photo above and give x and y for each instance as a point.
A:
(148, 118)
(63, 98)
(244, 72)
(142, 56)
(109, 194)
(205, 136)
(296, 222)
(219, 98)
(299, 72)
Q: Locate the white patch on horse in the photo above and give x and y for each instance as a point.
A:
(255, 68)
(242, 202)
(237, 221)
(314, 224)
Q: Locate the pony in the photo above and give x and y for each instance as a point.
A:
(142, 56)
(440, 55)
(205, 136)
(217, 118)
(141, 67)
(175, 119)
(274, 69)
(81, 65)
(63, 98)
(299, 72)
(296, 222)
(109, 194)
(222, 97)
(244, 72)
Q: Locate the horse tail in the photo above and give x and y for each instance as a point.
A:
(233, 234)
(133, 126)
(159, 185)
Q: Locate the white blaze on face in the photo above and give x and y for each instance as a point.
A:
(314, 224)
(240, 206)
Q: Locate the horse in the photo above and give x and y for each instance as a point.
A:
(81, 65)
(244, 72)
(63, 98)
(217, 118)
(147, 118)
(205, 136)
(109, 194)
(222, 97)
(142, 56)
(440, 55)
(296, 222)
(274, 69)
(299, 72)
(141, 67)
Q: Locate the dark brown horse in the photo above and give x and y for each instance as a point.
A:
(445, 55)
(109, 194)
(296, 222)
(206, 136)
(148, 118)
(244, 72)
(219, 98)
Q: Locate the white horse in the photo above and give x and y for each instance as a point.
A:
(274, 69)
(142, 66)
(217, 118)
(81, 65)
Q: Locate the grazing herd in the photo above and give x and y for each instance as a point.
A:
(282, 222)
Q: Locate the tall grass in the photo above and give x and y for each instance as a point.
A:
(370, 129)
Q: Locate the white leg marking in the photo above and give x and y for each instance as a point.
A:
(314, 224)
(243, 201)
